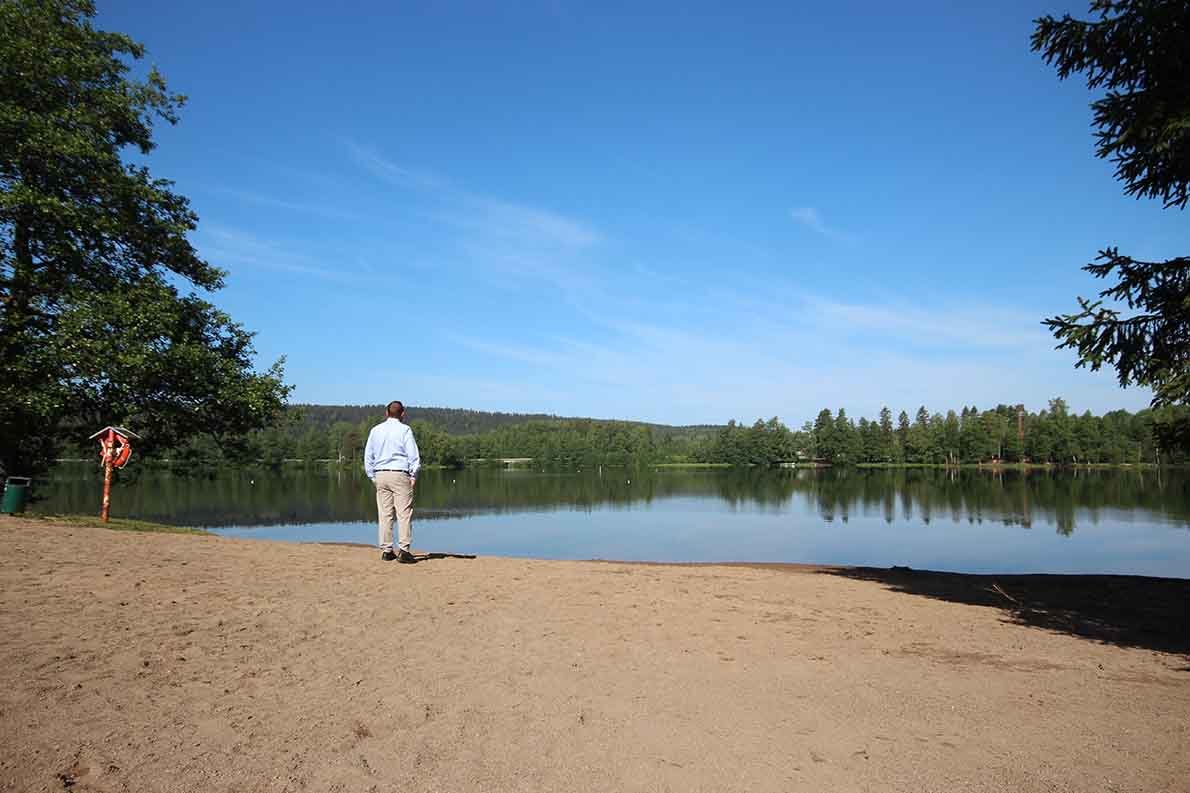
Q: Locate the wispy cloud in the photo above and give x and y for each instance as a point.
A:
(223, 245)
(509, 264)
(371, 160)
(322, 210)
(811, 218)
(534, 356)
(494, 234)
(480, 211)
(539, 223)
(945, 325)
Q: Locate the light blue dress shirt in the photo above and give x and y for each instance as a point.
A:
(391, 446)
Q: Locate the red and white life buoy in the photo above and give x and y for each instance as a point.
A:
(122, 456)
(115, 449)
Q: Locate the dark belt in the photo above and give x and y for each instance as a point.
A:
(393, 470)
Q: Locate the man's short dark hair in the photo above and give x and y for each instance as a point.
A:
(394, 409)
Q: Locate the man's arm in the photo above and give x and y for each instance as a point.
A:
(370, 455)
(414, 457)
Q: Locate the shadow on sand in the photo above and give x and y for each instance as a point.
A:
(422, 557)
(1129, 611)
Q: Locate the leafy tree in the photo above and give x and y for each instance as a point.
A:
(1150, 347)
(917, 438)
(1088, 437)
(847, 440)
(1173, 428)
(937, 451)
(887, 447)
(1039, 438)
(1135, 53)
(312, 446)
(975, 439)
(903, 437)
(871, 442)
(351, 444)
(1061, 432)
(1014, 446)
(824, 436)
(274, 447)
(951, 432)
(454, 453)
(93, 326)
(996, 431)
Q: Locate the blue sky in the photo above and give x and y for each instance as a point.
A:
(676, 213)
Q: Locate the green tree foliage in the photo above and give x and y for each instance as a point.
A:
(871, 443)
(1053, 435)
(848, 443)
(903, 428)
(823, 434)
(93, 326)
(918, 444)
(1134, 53)
(313, 446)
(1149, 347)
(888, 446)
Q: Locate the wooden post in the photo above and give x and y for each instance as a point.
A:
(107, 487)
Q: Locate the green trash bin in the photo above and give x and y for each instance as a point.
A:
(16, 495)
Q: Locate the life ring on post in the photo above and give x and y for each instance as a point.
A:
(116, 449)
(123, 455)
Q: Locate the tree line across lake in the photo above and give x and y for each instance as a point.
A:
(454, 438)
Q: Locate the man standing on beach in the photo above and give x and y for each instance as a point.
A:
(391, 461)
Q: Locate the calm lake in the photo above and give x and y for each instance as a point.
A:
(968, 520)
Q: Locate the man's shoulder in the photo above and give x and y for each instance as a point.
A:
(399, 427)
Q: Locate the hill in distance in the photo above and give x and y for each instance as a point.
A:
(458, 421)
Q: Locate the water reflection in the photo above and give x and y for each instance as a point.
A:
(1061, 499)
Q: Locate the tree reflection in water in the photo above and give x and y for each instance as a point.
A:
(297, 494)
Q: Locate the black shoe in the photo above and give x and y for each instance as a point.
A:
(404, 557)
(387, 556)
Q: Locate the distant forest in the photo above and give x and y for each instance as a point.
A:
(452, 421)
(453, 438)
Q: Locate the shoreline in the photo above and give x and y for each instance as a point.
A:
(124, 524)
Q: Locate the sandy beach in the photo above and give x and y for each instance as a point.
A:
(156, 662)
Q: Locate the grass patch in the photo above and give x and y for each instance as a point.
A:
(116, 524)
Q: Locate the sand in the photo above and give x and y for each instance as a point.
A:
(155, 662)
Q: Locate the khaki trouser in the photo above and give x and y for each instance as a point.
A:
(394, 495)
